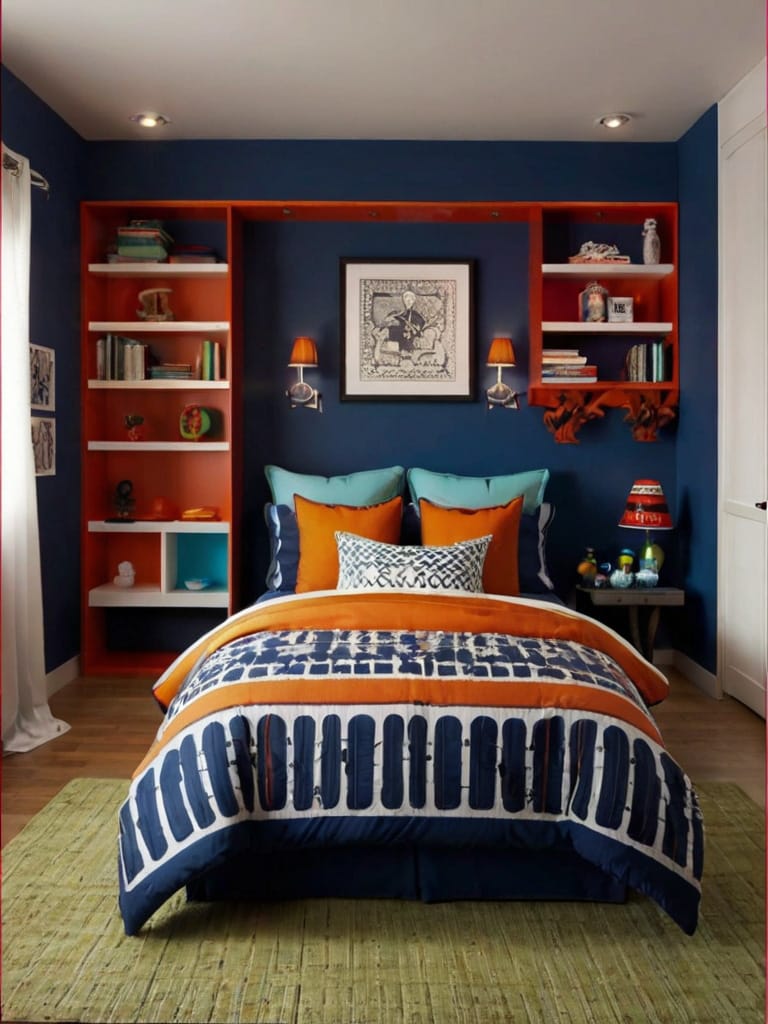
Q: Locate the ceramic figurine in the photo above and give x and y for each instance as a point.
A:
(133, 422)
(621, 579)
(592, 303)
(154, 304)
(626, 559)
(124, 502)
(587, 568)
(651, 242)
(646, 578)
(603, 575)
(126, 575)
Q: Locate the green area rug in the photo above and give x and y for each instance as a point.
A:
(65, 957)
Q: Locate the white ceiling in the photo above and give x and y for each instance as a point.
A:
(382, 69)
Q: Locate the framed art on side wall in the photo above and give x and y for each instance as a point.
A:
(44, 445)
(42, 378)
(407, 330)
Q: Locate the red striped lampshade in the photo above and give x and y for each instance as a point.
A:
(646, 507)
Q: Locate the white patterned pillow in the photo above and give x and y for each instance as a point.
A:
(372, 564)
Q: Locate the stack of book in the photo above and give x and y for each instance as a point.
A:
(193, 254)
(171, 371)
(566, 366)
(119, 358)
(143, 241)
(645, 362)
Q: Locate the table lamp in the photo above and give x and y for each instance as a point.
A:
(646, 509)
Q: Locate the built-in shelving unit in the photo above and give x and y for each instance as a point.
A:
(166, 470)
(650, 397)
(207, 303)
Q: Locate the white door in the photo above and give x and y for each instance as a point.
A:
(743, 375)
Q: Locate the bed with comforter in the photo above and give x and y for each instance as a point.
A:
(389, 741)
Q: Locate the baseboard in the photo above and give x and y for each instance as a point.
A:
(702, 679)
(62, 675)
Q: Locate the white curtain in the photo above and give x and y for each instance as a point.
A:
(27, 719)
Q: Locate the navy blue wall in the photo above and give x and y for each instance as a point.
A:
(697, 432)
(292, 288)
(33, 130)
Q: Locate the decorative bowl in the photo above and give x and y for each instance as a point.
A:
(197, 584)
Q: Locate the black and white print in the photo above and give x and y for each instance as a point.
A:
(407, 330)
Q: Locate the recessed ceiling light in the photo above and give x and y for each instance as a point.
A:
(614, 120)
(148, 119)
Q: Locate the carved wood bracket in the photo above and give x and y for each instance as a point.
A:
(647, 412)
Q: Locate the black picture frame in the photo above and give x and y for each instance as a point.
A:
(407, 330)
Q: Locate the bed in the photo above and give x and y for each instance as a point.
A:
(386, 738)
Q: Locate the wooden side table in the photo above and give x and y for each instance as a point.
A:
(634, 598)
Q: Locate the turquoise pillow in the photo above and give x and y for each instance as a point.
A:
(478, 491)
(368, 487)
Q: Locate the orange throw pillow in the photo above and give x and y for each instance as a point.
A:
(318, 555)
(440, 526)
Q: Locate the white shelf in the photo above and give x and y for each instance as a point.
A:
(576, 327)
(649, 271)
(159, 269)
(174, 384)
(158, 446)
(159, 526)
(108, 595)
(160, 326)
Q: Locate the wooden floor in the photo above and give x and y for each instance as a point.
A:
(114, 720)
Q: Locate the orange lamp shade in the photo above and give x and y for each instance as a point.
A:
(303, 353)
(501, 353)
(646, 507)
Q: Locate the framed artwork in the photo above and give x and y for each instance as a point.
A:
(44, 445)
(42, 378)
(407, 330)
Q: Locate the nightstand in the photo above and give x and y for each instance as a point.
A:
(634, 598)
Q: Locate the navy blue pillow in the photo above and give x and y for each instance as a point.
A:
(283, 533)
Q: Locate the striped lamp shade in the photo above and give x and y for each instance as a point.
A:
(646, 507)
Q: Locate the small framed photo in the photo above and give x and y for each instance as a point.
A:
(42, 378)
(44, 445)
(407, 330)
(619, 310)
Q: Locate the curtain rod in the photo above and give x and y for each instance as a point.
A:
(36, 179)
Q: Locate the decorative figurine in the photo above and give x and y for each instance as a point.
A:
(123, 502)
(154, 304)
(598, 252)
(651, 242)
(646, 578)
(587, 568)
(592, 303)
(626, 559)
(603, 575)
(621, 579)
(132, 422)
(126, 575)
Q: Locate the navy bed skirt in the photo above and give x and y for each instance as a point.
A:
(431, 874)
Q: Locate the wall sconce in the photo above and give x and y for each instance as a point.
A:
(303, 353)
(501, 354)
